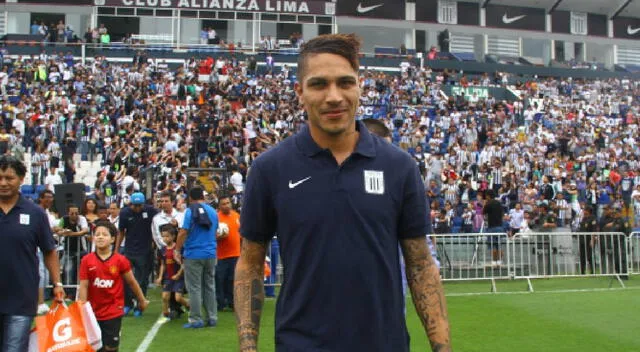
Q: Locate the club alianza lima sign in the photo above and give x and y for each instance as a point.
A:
(311, 7)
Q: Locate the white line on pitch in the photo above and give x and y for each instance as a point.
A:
(144, 345)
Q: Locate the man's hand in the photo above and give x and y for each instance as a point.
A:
(177, 257)
(58, 293)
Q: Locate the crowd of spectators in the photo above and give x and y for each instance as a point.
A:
(562, 146)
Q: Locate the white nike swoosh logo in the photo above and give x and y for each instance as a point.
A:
(293, 185)
(91, 269)
(366, 9)
(632, 31)
(508, 20)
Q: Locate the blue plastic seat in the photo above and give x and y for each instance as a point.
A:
(39, 188)
(26, 189)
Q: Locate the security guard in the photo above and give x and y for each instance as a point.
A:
(614, 244)
(589, 223)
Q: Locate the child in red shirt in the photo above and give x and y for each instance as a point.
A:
(101, 284)
(170, 276)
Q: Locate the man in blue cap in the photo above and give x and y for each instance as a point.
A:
(135, 226)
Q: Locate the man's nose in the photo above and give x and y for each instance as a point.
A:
(334, 94)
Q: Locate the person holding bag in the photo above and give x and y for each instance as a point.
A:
(25, 227)
(101, 283)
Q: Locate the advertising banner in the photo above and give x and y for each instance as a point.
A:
(383, 9)
(514, 17)
(306, 7)
(626, 28)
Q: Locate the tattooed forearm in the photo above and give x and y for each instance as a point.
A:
(249, 293)
(427, 292)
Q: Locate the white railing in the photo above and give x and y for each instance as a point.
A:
(633, 248)
(496, 256)
(569, 254)
(491, 256)
(473, 256)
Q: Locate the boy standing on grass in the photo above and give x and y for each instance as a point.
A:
(170, 276)
(101, 284)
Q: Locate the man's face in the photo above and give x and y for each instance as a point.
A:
(9, 183)
(47, 200)
(330, 94)
(73, 214)
(103, 214)
(114, 210)
(136, 208)
(225, 205)
(165, 204)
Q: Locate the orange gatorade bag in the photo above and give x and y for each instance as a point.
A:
(61, 330)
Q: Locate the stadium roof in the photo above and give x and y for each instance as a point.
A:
(630, 8)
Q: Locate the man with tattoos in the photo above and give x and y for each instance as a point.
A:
(340, 202)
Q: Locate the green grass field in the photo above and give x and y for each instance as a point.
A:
(546, 320)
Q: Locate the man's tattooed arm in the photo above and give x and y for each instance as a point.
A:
(423, 278)
(248, 295)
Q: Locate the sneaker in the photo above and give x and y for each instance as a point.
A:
(137, 313)
(43, 309)
(164, 319)
(194, 325)
(127, 310)
(212, 323)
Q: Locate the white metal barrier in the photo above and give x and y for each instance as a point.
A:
(633, 245)
(473, 256)
(70, 252)
(569, 254)
(485, 256)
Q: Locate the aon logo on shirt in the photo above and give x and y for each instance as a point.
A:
(102, 283)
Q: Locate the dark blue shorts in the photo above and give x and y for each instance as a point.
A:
(493, 241)
(173, 285)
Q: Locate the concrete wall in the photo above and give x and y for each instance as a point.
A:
(18, 22)
(155, 25)
(309, 31)
(190, 31)
(602, 53)
(376, 36)
(240, 31)
(569, 51)
(533, 47)
(269, 28)
(479, 47)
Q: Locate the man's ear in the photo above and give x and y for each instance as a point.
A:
(298, 89)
